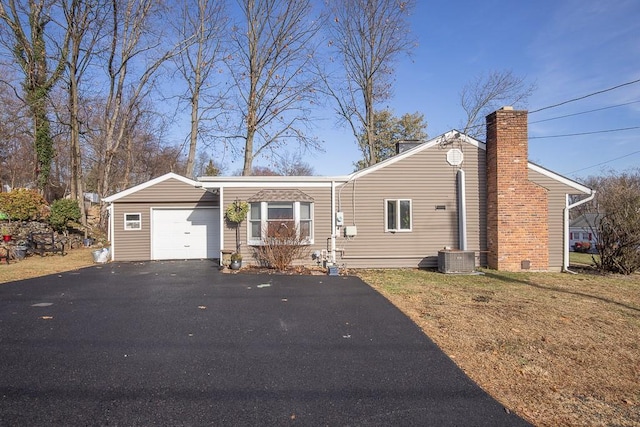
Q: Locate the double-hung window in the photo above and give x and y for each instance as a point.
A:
(398, 215)
(277, 219)
(133, 221)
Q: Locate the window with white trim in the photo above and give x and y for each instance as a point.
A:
(266, 219)
(397, 215)
(133, 221)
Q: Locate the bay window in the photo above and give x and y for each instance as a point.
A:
(275, 218)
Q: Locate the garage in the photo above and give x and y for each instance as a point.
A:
(185, 233)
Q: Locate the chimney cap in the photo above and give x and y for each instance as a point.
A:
(507, 108)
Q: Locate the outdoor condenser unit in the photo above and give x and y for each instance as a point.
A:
(451, 261)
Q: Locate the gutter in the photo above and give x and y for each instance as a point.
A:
(565, 261)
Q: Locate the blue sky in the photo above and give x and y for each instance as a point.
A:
(568, 48)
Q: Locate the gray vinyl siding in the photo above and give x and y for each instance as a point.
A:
(171, 190)
(428, 181)
(135, 245)
(422, 176)
(131, 245)
(321, 221)
(557, 201)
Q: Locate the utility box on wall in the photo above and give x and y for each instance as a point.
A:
(350, 231)
(451, 261)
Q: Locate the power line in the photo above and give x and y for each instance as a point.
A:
(584, 133)
(585, 96)
(604, 163)
(585, 112)
(480, 125)
(566, 115)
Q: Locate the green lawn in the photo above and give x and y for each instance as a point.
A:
(577, 258)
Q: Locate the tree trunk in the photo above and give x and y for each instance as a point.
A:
(370, 155)
(193, 137)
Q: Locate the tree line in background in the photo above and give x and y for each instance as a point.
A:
(91, 88)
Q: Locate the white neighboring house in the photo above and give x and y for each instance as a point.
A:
(583, 229)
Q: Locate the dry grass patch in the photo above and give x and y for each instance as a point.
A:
(36, 265)
(558, 349)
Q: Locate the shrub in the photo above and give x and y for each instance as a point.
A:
(617, 227)
(282, 246)
(63, 211)
(23, 205)
(618, 247)
(582, 247)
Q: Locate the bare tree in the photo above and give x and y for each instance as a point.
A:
(258, 170)
(16, 149)
(134, 57)
(270, 58)
(486, 93)
(202, 23)
(84, 22)
(369, 36)
(288, 164)
(26, 38)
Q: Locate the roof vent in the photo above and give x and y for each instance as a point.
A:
(454, 157)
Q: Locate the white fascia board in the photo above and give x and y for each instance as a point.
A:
(560, 178)
(148, 184)
(254, 182)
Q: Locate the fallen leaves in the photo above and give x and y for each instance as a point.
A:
(555, 348)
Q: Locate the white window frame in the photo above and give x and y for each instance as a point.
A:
(264, 209)
(128, 224)
(398, 229)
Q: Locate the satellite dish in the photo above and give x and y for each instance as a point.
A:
(454, 157)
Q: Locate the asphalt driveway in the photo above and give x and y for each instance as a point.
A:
(178, 343)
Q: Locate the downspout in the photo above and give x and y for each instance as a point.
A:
(462, 211)
(333, 222)
(111, 231)
(221, 224)
(565, 261)
(199, 185)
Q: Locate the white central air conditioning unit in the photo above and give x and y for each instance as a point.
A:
(450, 261)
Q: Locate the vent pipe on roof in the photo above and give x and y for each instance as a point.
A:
(407, 144)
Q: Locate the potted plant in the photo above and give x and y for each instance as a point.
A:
(6, 233)
(236, 261)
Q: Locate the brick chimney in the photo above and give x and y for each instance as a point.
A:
(517, 209)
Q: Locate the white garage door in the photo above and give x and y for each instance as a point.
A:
(185, 233)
